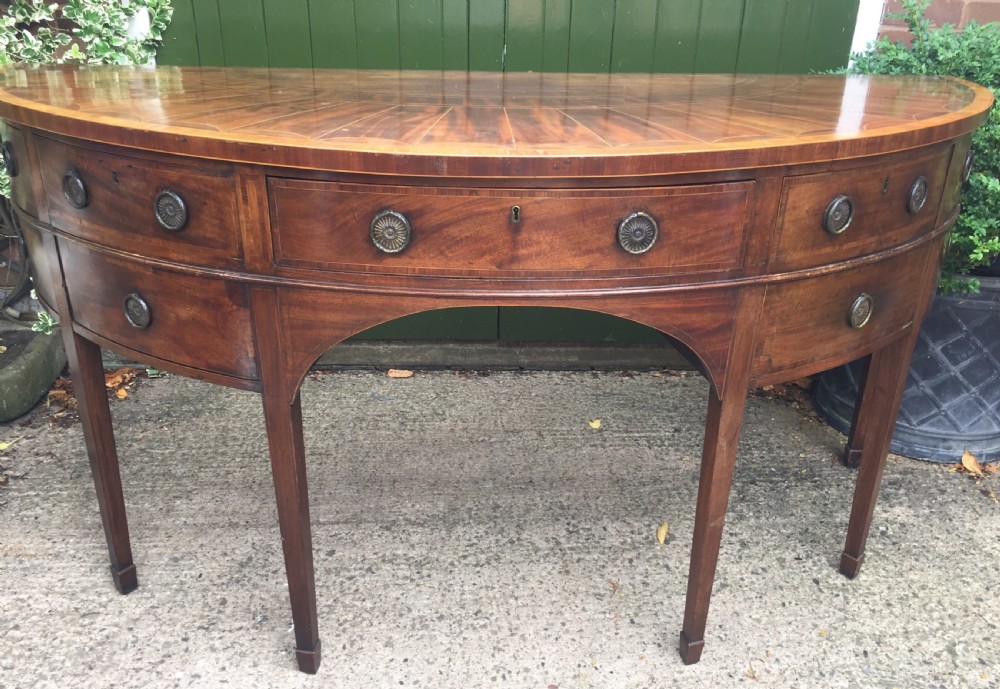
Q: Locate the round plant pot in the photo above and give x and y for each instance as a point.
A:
(952, 397)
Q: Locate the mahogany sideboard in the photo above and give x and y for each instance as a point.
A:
(233, 224)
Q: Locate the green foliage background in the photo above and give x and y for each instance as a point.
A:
(973, 53)
(78, 31)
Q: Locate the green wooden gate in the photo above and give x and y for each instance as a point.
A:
(761, 36)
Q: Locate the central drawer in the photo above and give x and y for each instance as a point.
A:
(508, 232)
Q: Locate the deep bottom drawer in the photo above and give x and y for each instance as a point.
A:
(199, 322)
(807, 324)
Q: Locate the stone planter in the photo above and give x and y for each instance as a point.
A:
(952, 397)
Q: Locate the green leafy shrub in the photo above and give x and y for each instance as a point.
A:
(74, 31)
(79, 31)
(973, 53)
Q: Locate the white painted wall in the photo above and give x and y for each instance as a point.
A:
(869, 20)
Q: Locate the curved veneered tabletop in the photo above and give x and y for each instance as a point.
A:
(492, 124)
(232, 224)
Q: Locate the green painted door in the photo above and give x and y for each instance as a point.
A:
(752, 36)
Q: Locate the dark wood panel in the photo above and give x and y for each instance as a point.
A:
(879, 195)
(120, 194)
(198, 322)
(465, 232)
(807, 327)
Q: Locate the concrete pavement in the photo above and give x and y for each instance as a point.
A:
(475, 531)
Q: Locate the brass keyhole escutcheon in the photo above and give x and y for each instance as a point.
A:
(515, 214)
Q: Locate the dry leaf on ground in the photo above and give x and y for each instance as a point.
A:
(399, 373)
(595, 424)
(971, 464)
(661, 532)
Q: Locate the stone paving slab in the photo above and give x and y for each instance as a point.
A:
(474, 531)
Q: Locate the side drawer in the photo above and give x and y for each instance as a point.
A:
(519, 232)
(807, 326)
(175, 212)
(15, 161)
(199, 322)
(874, 201)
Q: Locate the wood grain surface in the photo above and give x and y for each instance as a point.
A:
(513, 186)
(484, 124)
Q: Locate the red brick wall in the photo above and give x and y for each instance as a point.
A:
(956, 12)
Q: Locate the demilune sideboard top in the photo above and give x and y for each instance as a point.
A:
(233, 224)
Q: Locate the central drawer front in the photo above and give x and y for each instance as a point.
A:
(456, 231)
(200, 322)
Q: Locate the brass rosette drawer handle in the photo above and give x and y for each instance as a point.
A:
(637, 232)
(861, 311)
(9, 160)
(917, 198)
(839, 214)
(170, 210)
(75, 189)
(137, 311)
(390, 231)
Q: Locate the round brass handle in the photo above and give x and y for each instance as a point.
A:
(839, 214)
(917, 198)
(170, 210)
(637, 232)
(861, 310)
(137, 311)
(74, 189)
(970, 159)
(390, 231)
(9, 160)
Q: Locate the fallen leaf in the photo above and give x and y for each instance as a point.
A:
(2, 349)
(399, 373)
(595, 424)
(121, 393)
(7, 444)
(971, 464)
(823, 632)
(661, 532)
